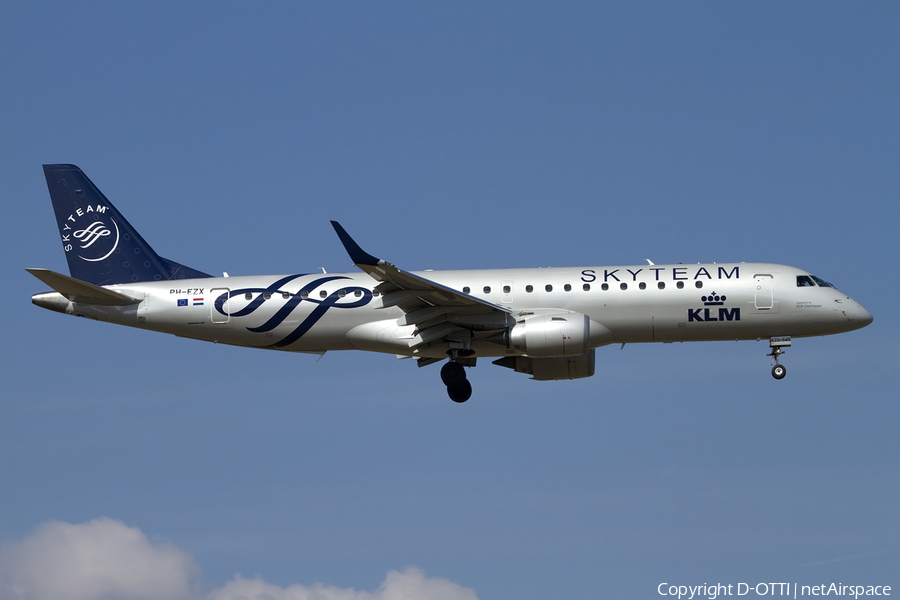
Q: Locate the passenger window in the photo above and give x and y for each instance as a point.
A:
(285, 295)
(661, 285)
(267, 295)
(680, 285)
(323, 294)
(643, 286)
(304, 295)
(699, 284)
(342, 293)
(248, 296)
(529, 288)
(487, 289)
(548, 287)
(586, 287)
(376, 293)
(623, 286)
(506, 289)
(358, 293)
(604, 287)
(466, 290)
(567, 287)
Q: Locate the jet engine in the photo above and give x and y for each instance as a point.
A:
(555, 344)
(551, 334)
(550, 369)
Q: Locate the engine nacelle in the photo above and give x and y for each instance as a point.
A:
(557, 333)
(549, 369)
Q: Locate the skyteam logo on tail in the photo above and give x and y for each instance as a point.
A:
(708, 314)
(85, 232)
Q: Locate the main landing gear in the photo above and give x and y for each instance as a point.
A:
(453, 374)
(776, 344)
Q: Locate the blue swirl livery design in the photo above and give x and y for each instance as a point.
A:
(359, 296)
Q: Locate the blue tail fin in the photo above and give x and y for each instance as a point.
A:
(101, 246)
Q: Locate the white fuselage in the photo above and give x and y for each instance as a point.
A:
(629, 304)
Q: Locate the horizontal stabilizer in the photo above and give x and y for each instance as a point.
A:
(81, 291)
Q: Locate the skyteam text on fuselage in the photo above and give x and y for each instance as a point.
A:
(545, 322)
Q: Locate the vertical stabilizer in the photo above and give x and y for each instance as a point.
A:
(102, 247)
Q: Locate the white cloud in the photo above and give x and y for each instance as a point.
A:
(102, 559)
(105, 559)
(411, 584)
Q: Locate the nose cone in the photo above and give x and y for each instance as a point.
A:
(858, 315)
(863, 317)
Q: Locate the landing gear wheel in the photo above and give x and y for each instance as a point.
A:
(778, 344)
(779, 371)
(460, 392)
(453, 374)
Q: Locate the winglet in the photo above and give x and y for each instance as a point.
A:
(357, 254)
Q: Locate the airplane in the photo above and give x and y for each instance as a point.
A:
(545, 322)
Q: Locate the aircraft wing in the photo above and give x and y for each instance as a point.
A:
(437, 310)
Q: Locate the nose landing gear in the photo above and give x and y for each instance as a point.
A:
(776, 344)
(779, 371)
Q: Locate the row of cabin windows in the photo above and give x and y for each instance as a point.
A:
(304, 294)
(487, 289)
(586, 287)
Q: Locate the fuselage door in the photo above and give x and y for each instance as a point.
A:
(219, 308)
(765, 295)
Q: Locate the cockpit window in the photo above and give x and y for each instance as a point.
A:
(804, 281)
(822, 282)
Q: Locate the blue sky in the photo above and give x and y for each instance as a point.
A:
(460, 135)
